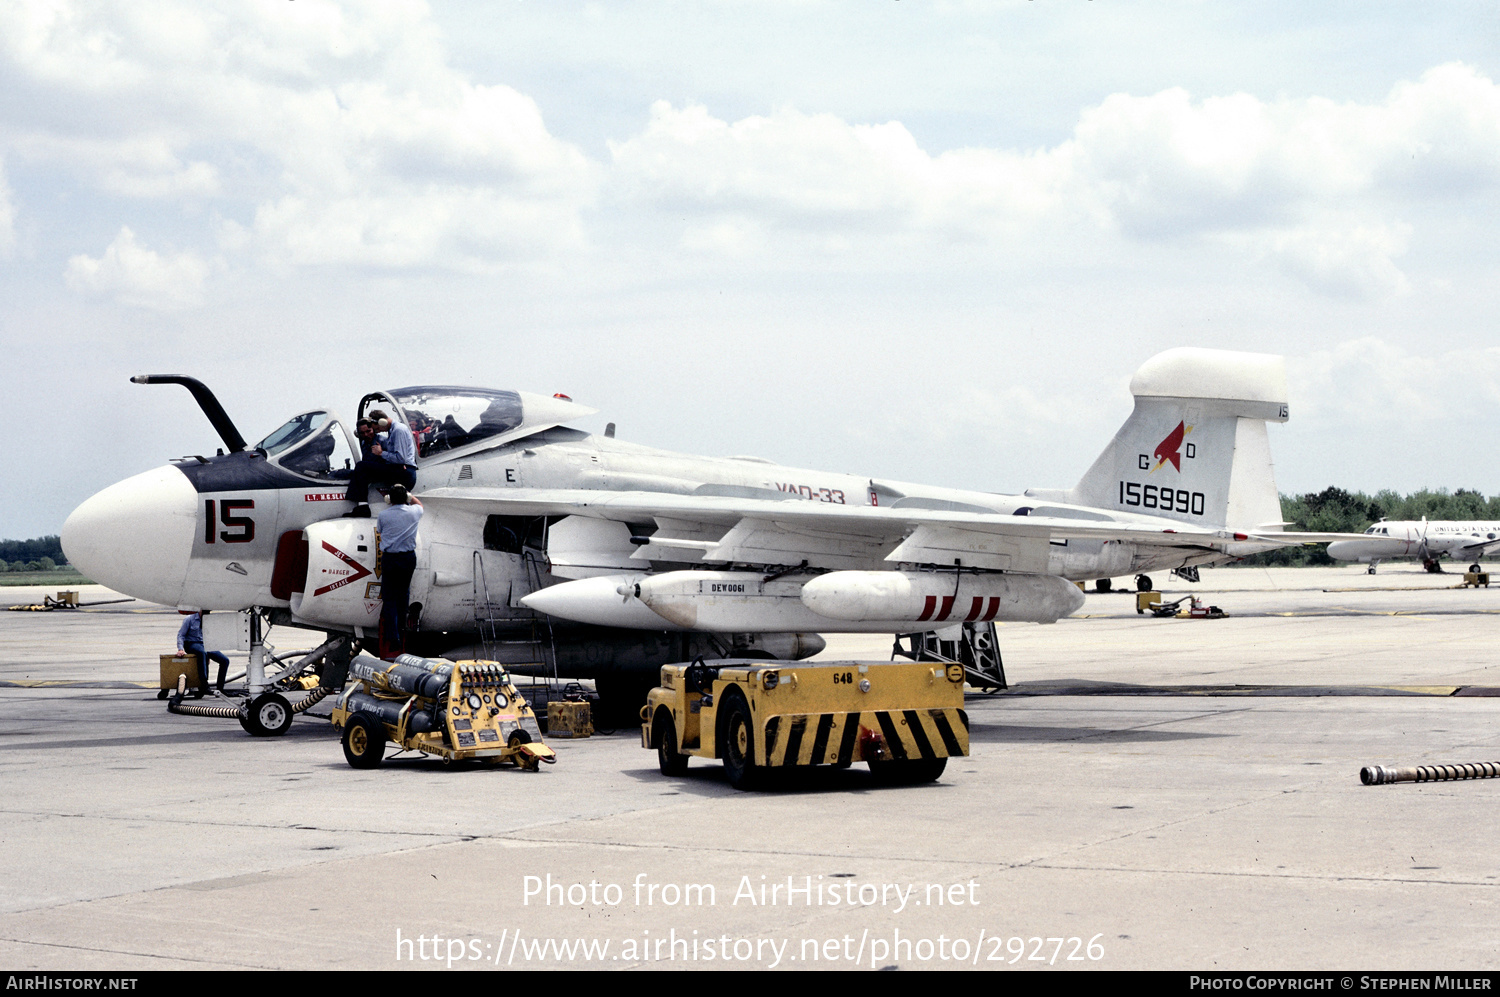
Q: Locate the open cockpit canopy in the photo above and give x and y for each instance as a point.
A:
(448, 418)
(313, 445)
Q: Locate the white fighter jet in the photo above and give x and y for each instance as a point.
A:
(1424, 540)
(605, 559)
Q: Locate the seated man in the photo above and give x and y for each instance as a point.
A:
(190, 641)
(392, 462)
(365, 429)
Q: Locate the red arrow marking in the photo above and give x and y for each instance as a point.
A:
(359, 570)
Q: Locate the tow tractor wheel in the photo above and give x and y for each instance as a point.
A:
(739, 743)
(364, 741)
(907, 773)
(269, 715)
(667, 757)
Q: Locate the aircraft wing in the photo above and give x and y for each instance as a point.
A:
(716, 528)
(1298, 539)
(1479, 548)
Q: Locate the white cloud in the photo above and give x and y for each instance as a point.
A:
(818, 171)
(135, 275)
(1367, 381)
(1316, 187)
(334, 133)
(7, 217)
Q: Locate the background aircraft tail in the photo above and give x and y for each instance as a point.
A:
(1195, 448)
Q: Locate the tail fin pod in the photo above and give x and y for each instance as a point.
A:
(1195, 448)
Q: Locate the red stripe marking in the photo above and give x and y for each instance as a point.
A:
(928, 607)
(994, 608)
(976, 608)
(947, 608)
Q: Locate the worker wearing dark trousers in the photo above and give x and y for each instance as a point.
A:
(398, 560)
(190, 641)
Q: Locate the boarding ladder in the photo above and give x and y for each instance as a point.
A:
(538, 649)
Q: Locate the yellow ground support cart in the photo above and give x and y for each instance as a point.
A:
(904, 719)
(462, 710)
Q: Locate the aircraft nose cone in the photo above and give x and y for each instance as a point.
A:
(137, 536)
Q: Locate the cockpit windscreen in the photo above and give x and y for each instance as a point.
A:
(446, 418)
(326, 455)
(294, 431)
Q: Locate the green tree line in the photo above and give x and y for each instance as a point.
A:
(39, 554)
(1334, 510)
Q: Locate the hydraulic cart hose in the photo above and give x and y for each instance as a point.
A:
(174, 705)
(310, 700)
(1379, 775)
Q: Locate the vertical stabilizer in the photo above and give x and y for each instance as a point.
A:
(1195, 448)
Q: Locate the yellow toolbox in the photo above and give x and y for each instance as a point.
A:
(173, 666)
(569, 719)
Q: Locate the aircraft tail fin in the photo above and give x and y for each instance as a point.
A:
(1195, 448)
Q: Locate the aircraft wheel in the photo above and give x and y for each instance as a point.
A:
(668, 759)
(364, 741)
(1103, 584)
(739, 743)
(1370, 570)
(1475, 568)
(907, 773)
(1143, 583)
(269, 716)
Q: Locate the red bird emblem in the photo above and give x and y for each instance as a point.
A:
(1170, 448)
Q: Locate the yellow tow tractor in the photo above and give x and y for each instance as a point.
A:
(455, 710)
(903, 719)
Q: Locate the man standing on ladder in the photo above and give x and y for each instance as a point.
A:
(398, 560)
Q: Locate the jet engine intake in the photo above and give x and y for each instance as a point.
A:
(342, 588)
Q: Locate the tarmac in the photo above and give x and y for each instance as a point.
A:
(1148, 794)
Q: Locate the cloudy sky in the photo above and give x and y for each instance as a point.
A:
(916, 240)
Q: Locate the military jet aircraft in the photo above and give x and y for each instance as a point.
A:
(1426, 541)
(606, 559)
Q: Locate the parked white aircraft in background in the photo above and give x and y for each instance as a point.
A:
(607, 559)
(1425, 540)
